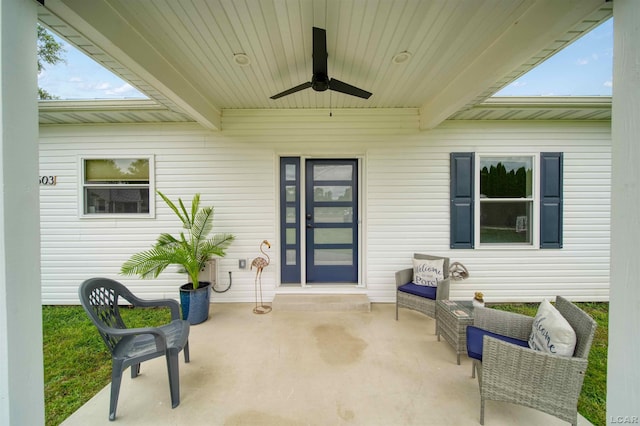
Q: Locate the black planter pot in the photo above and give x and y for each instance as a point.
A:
(195, 302)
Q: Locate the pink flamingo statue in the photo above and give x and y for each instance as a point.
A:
(260, 263)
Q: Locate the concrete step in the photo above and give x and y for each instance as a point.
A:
(322, 302)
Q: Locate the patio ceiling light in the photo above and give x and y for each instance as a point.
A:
(401, 57)
(241, 59)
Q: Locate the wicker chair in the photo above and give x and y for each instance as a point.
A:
(520, 375)
(426, 305)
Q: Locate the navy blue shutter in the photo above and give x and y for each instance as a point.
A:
(462, 199)
(551, 200)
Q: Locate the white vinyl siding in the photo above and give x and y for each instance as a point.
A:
(405, 199)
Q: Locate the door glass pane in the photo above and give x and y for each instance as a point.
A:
(291, 215)
(290, 194)
(506, 177)
(332, 193)
(327, 257)
(333, 236)
(291, 235)
(333, 214)
(505, 222)
(330, 172)
(291, 257)
(290, 172)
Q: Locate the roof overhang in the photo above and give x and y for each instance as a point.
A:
(180, 53)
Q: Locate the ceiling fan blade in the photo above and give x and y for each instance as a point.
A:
(292, 90)
(342, 87)
(319, 51)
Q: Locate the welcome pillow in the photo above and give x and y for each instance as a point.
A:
(551, 332)
(428, 272)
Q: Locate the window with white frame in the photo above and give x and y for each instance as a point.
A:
(506, 199)
(117, 185)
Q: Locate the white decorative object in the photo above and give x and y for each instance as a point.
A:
(478, 299)
(457, 271)
(428, 272)
(551, 332)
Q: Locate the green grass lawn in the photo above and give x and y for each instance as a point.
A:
(77, 364)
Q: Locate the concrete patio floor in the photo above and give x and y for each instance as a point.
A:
(310, 368)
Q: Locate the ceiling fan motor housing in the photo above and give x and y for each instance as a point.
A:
(320, 82)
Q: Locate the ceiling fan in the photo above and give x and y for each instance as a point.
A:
(320, 80)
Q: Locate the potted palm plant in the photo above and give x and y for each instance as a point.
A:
(190, 250)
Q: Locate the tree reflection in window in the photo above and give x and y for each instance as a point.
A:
(120, 185)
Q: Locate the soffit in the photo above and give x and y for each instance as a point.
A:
(107, 112)
(148, 111)
(539, 108)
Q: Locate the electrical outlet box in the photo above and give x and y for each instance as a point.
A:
(242, 263)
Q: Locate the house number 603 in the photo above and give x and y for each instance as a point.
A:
(48, 180)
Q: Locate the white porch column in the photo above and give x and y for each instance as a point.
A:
(623, 376)
(21, 371)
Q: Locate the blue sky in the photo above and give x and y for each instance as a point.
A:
(582, 69)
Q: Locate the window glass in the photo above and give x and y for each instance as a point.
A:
(506, 177)
(506, 199)
(505, 222)
(123, 170)
(116, 186)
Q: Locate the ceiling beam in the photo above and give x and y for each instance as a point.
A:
(99, 23)
(522, 40)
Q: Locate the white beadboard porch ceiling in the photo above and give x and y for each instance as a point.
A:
(181, 52)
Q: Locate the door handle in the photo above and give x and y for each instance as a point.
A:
(309, 226)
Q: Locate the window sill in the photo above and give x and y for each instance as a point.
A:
(117, 216)
(507, 247)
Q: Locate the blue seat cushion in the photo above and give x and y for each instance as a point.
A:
(419, 290)
(474, 341)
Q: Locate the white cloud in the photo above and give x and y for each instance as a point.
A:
(518, 83)
(608, 83)
(587, 59)
(102, 86)
(75, 80)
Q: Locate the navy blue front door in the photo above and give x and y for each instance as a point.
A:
(331, 221)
